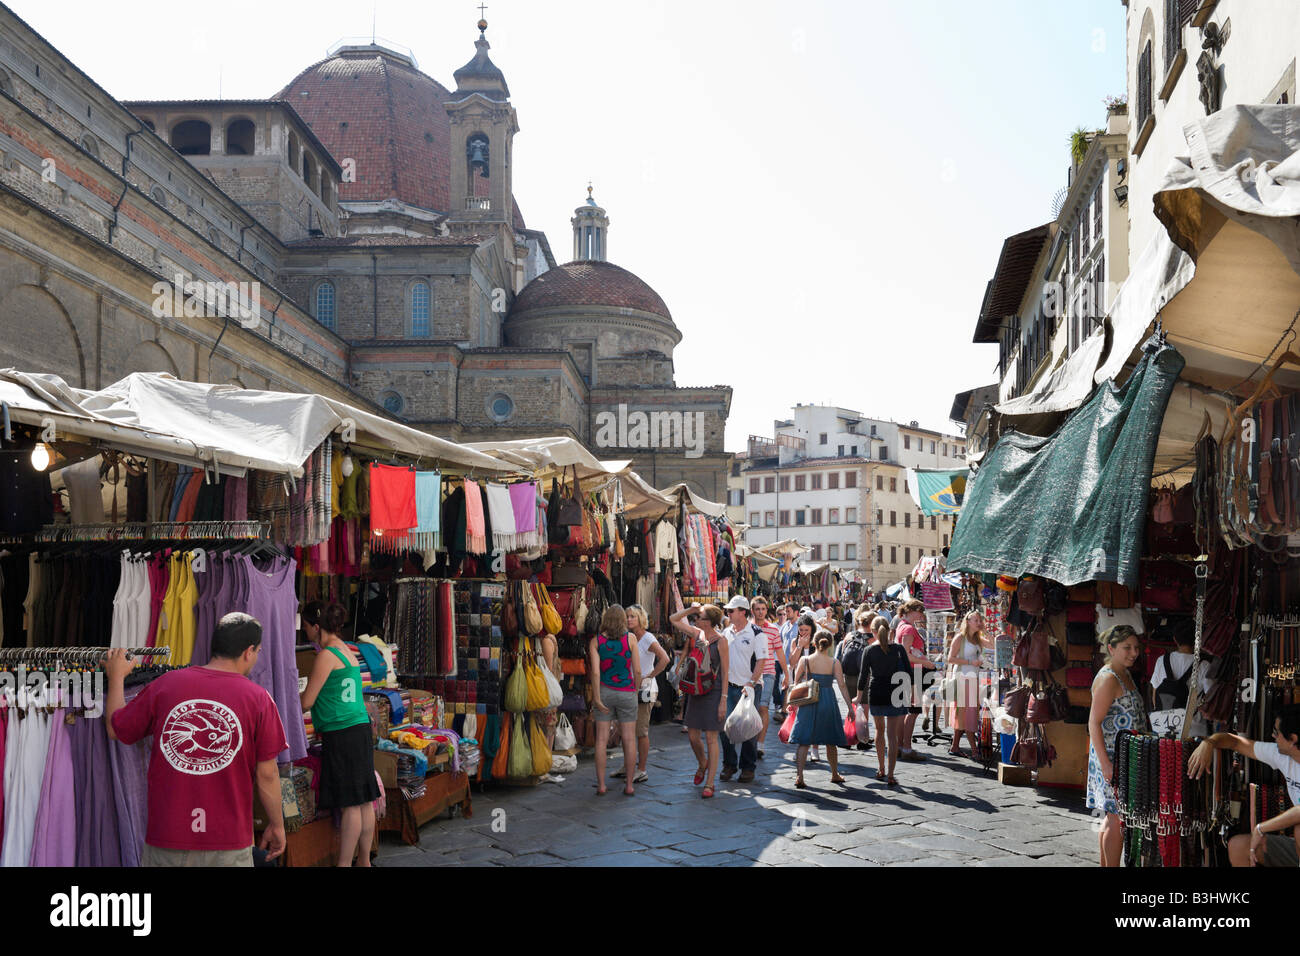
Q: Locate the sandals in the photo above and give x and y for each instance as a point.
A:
(956, 752)
(601, 791)
(837, 779)
(880, 775)
(629, 793)
(800, 785)
(893, 781)
(699, 776)
(706, 792)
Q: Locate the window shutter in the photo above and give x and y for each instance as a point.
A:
(1144, 85)
(1187, 10)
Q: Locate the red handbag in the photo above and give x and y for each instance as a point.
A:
(1040, 708)
(1033, 652)
(1079, 676)
(1016, 702)
(1080, 613)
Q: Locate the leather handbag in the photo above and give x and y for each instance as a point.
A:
(1034, 652)
(573, 666)
(1082, 593)
(569, 513)
(1054, 598)
(1032, 596)
(1112, 595)
(1039, 710)
(1079, 676)
(1080, 613)
(509, 621)
(807, 692)
(1081, 634)
(1032, 750)
(1016, 702)
(568, 575)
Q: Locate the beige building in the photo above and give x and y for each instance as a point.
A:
(838, 483)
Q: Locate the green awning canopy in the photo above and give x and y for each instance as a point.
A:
(1072, 506)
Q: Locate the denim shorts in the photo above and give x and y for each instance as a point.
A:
(769, 687)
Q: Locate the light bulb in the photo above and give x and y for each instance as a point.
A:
(347, 466)
(41, 456)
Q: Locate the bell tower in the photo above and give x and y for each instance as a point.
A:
(590, 225)
(483, 126)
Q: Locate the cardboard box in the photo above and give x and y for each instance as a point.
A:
(306, 658)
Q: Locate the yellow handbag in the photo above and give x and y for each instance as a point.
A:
(541, 752)
(551, 620)
(539, 696)
(519, 763)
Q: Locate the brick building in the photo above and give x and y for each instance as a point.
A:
(371, 209)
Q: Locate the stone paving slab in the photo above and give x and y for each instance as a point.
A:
(947, 812)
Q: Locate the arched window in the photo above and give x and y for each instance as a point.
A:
(325, 305)
(306, 168)
(90, 145)
(158, 196)
(420, 310)
(240, 138)
(192, 138)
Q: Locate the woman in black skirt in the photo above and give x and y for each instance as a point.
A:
(338, 711)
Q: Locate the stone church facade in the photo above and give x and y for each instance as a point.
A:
(371, 208)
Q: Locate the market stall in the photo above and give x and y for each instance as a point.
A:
(1163, 499)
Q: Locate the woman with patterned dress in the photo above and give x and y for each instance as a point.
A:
(1116, 706)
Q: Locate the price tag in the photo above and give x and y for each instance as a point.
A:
(493, 591)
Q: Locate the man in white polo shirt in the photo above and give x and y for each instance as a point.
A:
(747, 649)
(1265, 846)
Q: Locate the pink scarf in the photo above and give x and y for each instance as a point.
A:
(475, 526)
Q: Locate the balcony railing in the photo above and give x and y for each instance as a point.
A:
(478, 204)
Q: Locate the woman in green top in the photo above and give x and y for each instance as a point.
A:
(338, 711)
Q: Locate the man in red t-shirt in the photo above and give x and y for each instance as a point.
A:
(214, 733)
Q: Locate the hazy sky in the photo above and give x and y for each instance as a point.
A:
(818, 190)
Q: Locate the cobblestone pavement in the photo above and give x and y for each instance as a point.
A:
(946, 812)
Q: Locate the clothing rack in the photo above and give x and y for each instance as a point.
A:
(156, 530)
(71, 655)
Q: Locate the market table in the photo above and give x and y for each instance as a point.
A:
(442, 791)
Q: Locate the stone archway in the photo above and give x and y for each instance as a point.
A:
(149, 357)
(37, 335)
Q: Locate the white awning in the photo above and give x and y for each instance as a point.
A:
(159, 416)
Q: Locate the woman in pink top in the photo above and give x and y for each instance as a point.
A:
(911, 613)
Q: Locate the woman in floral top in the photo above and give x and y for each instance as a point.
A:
(1116, 706)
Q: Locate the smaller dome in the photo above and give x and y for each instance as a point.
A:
(589, 283)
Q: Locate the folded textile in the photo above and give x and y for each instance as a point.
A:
(502, 511)
(397, 710)
(427, 535)
(475, 529)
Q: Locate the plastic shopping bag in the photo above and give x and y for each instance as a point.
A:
(744, 722)
(850, 729)
(862, 724)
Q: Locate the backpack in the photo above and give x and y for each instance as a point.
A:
(696, 675)
(850, 654)
(1172, 692)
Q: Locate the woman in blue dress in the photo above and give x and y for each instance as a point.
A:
(820, 723)
(1116, 706)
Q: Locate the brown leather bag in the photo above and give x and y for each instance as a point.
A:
(1114, 596)
(509, 620)
(1016, 702)
(1031, 596)
(1034, 651)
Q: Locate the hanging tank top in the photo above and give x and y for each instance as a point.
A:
(615, 662)
(339, 704)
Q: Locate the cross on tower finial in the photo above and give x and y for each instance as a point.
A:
(481, 8)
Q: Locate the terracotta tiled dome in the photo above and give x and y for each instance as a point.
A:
(373, 106)
(588, 283)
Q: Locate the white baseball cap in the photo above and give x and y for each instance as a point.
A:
(739, 601)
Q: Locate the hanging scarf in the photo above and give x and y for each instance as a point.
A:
(392, 506)
(502, 511)
(523, 502)
(475, 528)
(428, 511)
